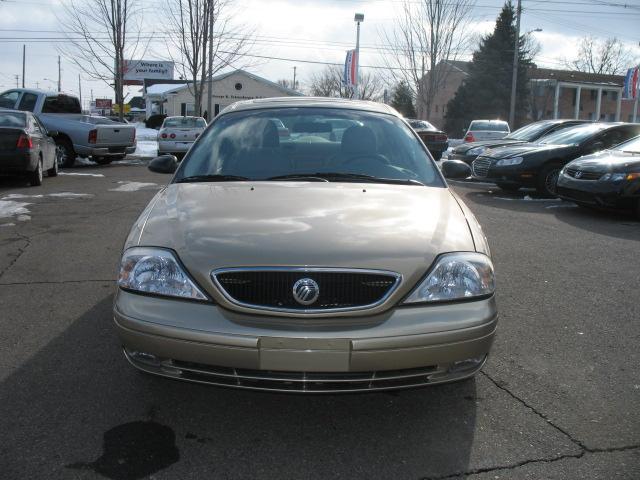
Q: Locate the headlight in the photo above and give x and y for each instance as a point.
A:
(476, 151)
(509, 161)
(456, 276)
(154, 270)
(612, 177)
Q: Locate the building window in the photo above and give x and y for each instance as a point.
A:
(614, 96)
(437, 105)
(590, 115)
(593, 94)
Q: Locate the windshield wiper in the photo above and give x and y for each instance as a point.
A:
(211, 178)
(299, 176)
(333, 176)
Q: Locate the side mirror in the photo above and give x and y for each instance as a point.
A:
(164, 164)
(455, 169)
(53, 133)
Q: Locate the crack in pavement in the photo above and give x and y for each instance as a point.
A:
(513, 466)
(21, 251)
(584, 450)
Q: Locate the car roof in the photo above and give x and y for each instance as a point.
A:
(312, 102)
(181, 116)
(489, 121)
(37, 91)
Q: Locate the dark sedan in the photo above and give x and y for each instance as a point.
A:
(26, 148)
(610, 178)
(436, 140)
(538, 164)
(468, 152)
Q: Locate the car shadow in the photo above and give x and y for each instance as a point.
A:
(76, 407)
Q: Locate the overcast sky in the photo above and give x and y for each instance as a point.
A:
(310, 30)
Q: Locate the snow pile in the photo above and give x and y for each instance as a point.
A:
(147, 142)
(9, 208)
(132, 186)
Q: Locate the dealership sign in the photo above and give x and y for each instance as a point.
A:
(103, 103)
(135, 71)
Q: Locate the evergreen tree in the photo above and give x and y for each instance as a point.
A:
(402, 100)
(486, 91)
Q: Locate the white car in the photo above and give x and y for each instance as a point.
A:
(486, 130)
(177, 134)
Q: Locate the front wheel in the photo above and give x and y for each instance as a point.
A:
(35, 177)
(548, 180)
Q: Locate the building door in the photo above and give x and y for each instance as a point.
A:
(216, 109)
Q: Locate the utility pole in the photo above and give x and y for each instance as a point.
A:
(59, 80)
(210, 78)
(294, 78)
(514, 77)
(80, 91)
(359, 17)
(24, 52)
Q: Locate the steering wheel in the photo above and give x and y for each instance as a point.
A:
(374, 156)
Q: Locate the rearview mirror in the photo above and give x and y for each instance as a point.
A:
(455, 169)
(164, 164)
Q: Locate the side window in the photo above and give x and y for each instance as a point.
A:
(28, 102)
(9, 99)
(40, 126)
(613, 137)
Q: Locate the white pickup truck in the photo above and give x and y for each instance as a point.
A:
(77, 135)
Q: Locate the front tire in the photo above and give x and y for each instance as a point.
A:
(35, 177)
(65, 155)
(547, 180)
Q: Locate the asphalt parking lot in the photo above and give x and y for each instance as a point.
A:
(558, 399)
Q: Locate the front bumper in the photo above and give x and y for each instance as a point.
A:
(485, 169)
(401, 348)
(594, 192)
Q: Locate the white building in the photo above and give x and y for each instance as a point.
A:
(178, 99)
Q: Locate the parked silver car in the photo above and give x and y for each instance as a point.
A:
(177, 134)
(307, 266)
(480, 130)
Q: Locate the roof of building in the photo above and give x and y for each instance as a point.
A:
(459, 65)
(318, 102)
(574, 76)
(163, 88)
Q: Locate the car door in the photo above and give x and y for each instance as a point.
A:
(45, 143)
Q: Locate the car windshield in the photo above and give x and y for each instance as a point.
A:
(421, 124)
(489, 126)
(184, 122)
(631, 146)
(529, 133)
(572, 136)
(246, 145)
(11, 119)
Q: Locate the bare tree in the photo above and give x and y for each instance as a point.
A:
(328, 83)
(206, 41)
(426, 33)
(608, 56)
(286, 83)
(102, 34)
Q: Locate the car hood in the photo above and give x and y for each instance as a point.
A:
(233, 224)
(465, 147)
(526, 149)
(607, 161)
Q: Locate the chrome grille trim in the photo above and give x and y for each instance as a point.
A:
(397, 279)
(480, 167)
(584, 175)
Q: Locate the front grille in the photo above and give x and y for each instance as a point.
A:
(582, 175)
(272, 289)
(480, 166)
(300, 381)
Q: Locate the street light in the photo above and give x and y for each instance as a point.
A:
(359, 18)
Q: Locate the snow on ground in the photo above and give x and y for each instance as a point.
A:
(9, 208)
(131, 186)
(147, 142)
(82, 174)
